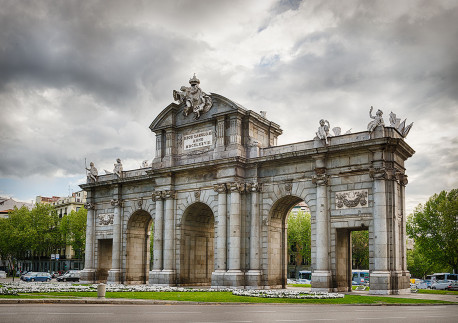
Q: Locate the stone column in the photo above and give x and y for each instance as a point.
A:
(168, 272)
(88, 274)
(254, 274)
(380, 276)
(158, 237)
(321, 276)
(221, 238)
(158, 145)
(234, 276)
(114, 274)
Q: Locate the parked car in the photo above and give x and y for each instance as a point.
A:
(453, 285)
(36, 276)
(69, 276)
(440, 284)
(423, 284)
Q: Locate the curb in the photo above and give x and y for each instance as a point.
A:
(97, 301)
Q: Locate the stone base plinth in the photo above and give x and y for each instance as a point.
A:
(321, 281)
(218, 278)
(380, 283)
(234, 278)
(114, 276)
(253, 279)
(87, 276)
(162, 277)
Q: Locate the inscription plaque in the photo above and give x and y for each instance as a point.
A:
(198, 140)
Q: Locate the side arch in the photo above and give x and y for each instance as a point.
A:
(277, 237)
(197, 245)
(138, 247)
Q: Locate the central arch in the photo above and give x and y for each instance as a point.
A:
(197, 245)
(138, 247)
(278, 247)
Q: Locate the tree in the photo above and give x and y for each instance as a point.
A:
(360, 249)
(73, 230)
(419, 265)
(44, 230)
(434, 228)
(299, 237)
(15, 236)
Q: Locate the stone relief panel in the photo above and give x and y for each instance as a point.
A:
(105, 218)
(351, 199)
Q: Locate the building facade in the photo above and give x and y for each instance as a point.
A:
(219, 190)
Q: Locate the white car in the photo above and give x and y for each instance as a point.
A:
(440, 284)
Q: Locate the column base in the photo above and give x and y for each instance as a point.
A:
(114, 276)
(234, 278)
(87, 276)
(321, 281)
(253, 279)
(389, 283)
(218, 278)
(162, 277)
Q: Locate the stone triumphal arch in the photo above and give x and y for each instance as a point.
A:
(218, 192)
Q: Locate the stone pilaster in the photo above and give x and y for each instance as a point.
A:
(158, 237)
(234, 276)
(253, 276)
(321, 276)
(168, 273)
(88, 274)
(158, 145)
(221, 238)
(380, 277)
(114, 274)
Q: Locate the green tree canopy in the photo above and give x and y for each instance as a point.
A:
(360, 249)
(73, 229)
(299, 236)
(434, 228)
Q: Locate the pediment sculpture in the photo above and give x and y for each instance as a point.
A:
(195, 99)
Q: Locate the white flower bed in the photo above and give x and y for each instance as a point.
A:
(272, 293)
(38, 287)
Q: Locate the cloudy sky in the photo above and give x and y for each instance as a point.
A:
(84, 79)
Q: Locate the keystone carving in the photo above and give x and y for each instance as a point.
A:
(197, 195)
(288, 187)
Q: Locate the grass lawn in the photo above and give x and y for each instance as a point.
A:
(435, 291)
(227, 297)
(300, 285)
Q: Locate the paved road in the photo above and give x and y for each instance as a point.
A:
(50, 313)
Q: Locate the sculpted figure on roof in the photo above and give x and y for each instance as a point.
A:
(195, 99)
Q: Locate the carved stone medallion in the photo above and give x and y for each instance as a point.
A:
(351, 199)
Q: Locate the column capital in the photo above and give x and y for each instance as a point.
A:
(89, 206)
(320, 179)
(253, 187)
(170, 194)
(220, 188)
(157, 195)
(117, 202)
(237, 187)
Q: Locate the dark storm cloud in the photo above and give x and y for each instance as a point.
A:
(68, 44)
